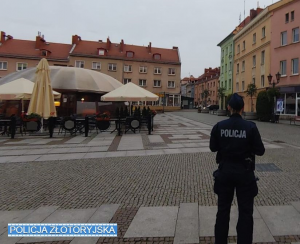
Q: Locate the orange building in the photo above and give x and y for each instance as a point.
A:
(209, 80)
(155, 69)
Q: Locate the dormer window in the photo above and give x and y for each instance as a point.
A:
(101, 52)
(44, 53)
(129, 54)
(157, 56)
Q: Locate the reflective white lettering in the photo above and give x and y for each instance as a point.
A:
(233, 133)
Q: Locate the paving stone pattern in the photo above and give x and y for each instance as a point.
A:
(169, 178)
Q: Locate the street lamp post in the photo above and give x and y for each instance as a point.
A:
(273, 83)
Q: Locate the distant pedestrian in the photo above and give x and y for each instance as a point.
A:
(236, 142)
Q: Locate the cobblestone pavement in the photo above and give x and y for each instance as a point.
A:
(154, 180)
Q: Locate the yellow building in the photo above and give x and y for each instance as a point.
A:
(252, 56)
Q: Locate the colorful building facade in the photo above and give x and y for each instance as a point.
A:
(226, 73)
(252, 55)
(285, 53)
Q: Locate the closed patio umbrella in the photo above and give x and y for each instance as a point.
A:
(42, 99)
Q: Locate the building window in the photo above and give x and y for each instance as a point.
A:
(214, 84)
(101, 52)
(244, 45)
(171, 84)
(283, 68)
(229, 84)
(243, 66)
(127, 68)
(243, 86)
(79, 64)
(222, 70)
(125, 81)
(157, 83)
(292, 16)
(156, 56)
(283, 38)
(253, 80)
(157, 70)
(225, 68)
(296, 35)
(129, 54)
(230, 64)
(171, 71)
(287, 18)
(262, 81)
(254, 38)
(238, 68)
(112, 67)
(44, 53)
(223, 53)
(237, 86)
(262, 57)
(254, 61)
(96, 65)
(263, 32)
(143, 69)
(21, 66)
(3, 65)
(238, 48)
(226, 84)
(142, 83)
(295, 66)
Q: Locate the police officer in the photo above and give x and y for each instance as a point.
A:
(236, 142)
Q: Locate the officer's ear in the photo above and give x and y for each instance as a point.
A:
(228, 107)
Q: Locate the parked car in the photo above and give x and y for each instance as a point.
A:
(213, 107)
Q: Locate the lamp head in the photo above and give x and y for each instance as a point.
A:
(270, 78)
(278, 75)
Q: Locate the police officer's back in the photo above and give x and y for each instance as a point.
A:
(236, 142)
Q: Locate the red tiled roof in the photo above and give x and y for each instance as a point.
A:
(90, 48)
(24, 48)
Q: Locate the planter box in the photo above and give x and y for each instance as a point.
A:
(221, 112)
(205, 111)
(250, 115)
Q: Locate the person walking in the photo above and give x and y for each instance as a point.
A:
(236, 142)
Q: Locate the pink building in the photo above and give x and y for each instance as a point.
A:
(285, 54)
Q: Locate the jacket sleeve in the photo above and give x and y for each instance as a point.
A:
(258, 147)
(214, 139)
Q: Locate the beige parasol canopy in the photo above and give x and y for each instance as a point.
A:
(129, 92)
(42, 99)
(19, 89)
(71, 79)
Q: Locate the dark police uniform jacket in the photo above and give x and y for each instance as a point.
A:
(235, 139)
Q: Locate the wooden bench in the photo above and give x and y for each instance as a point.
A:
(294, 119)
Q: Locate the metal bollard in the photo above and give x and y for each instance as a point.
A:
(13, 127)
(149, 124)
(86, 126)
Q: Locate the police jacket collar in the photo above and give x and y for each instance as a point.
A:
(235, 115)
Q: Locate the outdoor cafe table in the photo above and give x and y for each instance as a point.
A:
(5, 122)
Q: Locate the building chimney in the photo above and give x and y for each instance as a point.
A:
(2, 36)
(39, 41)
(149, 47)
(175, 48)
(76, 39)
(108, 43)
(121, 45)
(253, 14)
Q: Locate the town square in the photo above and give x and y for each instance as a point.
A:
(115, 137)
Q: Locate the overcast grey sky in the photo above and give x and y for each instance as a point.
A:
(195, 26)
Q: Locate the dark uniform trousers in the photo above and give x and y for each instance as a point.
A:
(230, 177)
